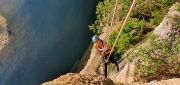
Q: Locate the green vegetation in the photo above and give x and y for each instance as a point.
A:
(146, 15)
(110, 68)
(131, 35)
(103, 11)
(178, 8)
(97, 68)
(159, 59)
(150, 10)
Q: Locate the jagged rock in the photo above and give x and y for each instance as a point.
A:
(175, 81)
(92, 63)
(78, 79)
(166, 25)
(95, 59)
(127, 75)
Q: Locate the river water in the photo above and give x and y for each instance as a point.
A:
(47, 37)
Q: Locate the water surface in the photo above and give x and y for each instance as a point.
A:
(47, 38)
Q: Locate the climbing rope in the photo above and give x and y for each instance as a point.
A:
(121, 29)
(112, 20)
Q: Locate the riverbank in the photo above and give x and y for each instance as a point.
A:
(3, 33)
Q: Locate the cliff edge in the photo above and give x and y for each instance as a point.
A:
(78, 79)
(154, 61)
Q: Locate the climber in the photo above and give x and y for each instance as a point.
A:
(104, 50)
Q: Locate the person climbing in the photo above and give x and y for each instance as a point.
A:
(104, 50)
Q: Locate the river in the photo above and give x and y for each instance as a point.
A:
(47, 37)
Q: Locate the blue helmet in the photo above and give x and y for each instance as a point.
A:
(95, 38)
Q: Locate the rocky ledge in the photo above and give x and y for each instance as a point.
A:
(78, 79)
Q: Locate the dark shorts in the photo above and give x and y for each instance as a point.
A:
(111, 58)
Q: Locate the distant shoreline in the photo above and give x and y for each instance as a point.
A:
(4, 35)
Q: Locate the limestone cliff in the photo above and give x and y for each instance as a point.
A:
(169, 30)
(169, 26)
(78, 79)
(94, 61)
(175, 81)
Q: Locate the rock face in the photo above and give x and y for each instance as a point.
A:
(88, 76)
(78, 79)
(95, 59)
(163, 31)
(166, 26)
(125, 76)
(3, 33)
(175, 81)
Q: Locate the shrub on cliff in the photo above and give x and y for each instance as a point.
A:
(146, 15)
(150, 10)
(159, 56)
(104, 11)
(158, 59)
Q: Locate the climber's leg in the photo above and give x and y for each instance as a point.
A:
(105, 66)
(112, 60)
(105, 69)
